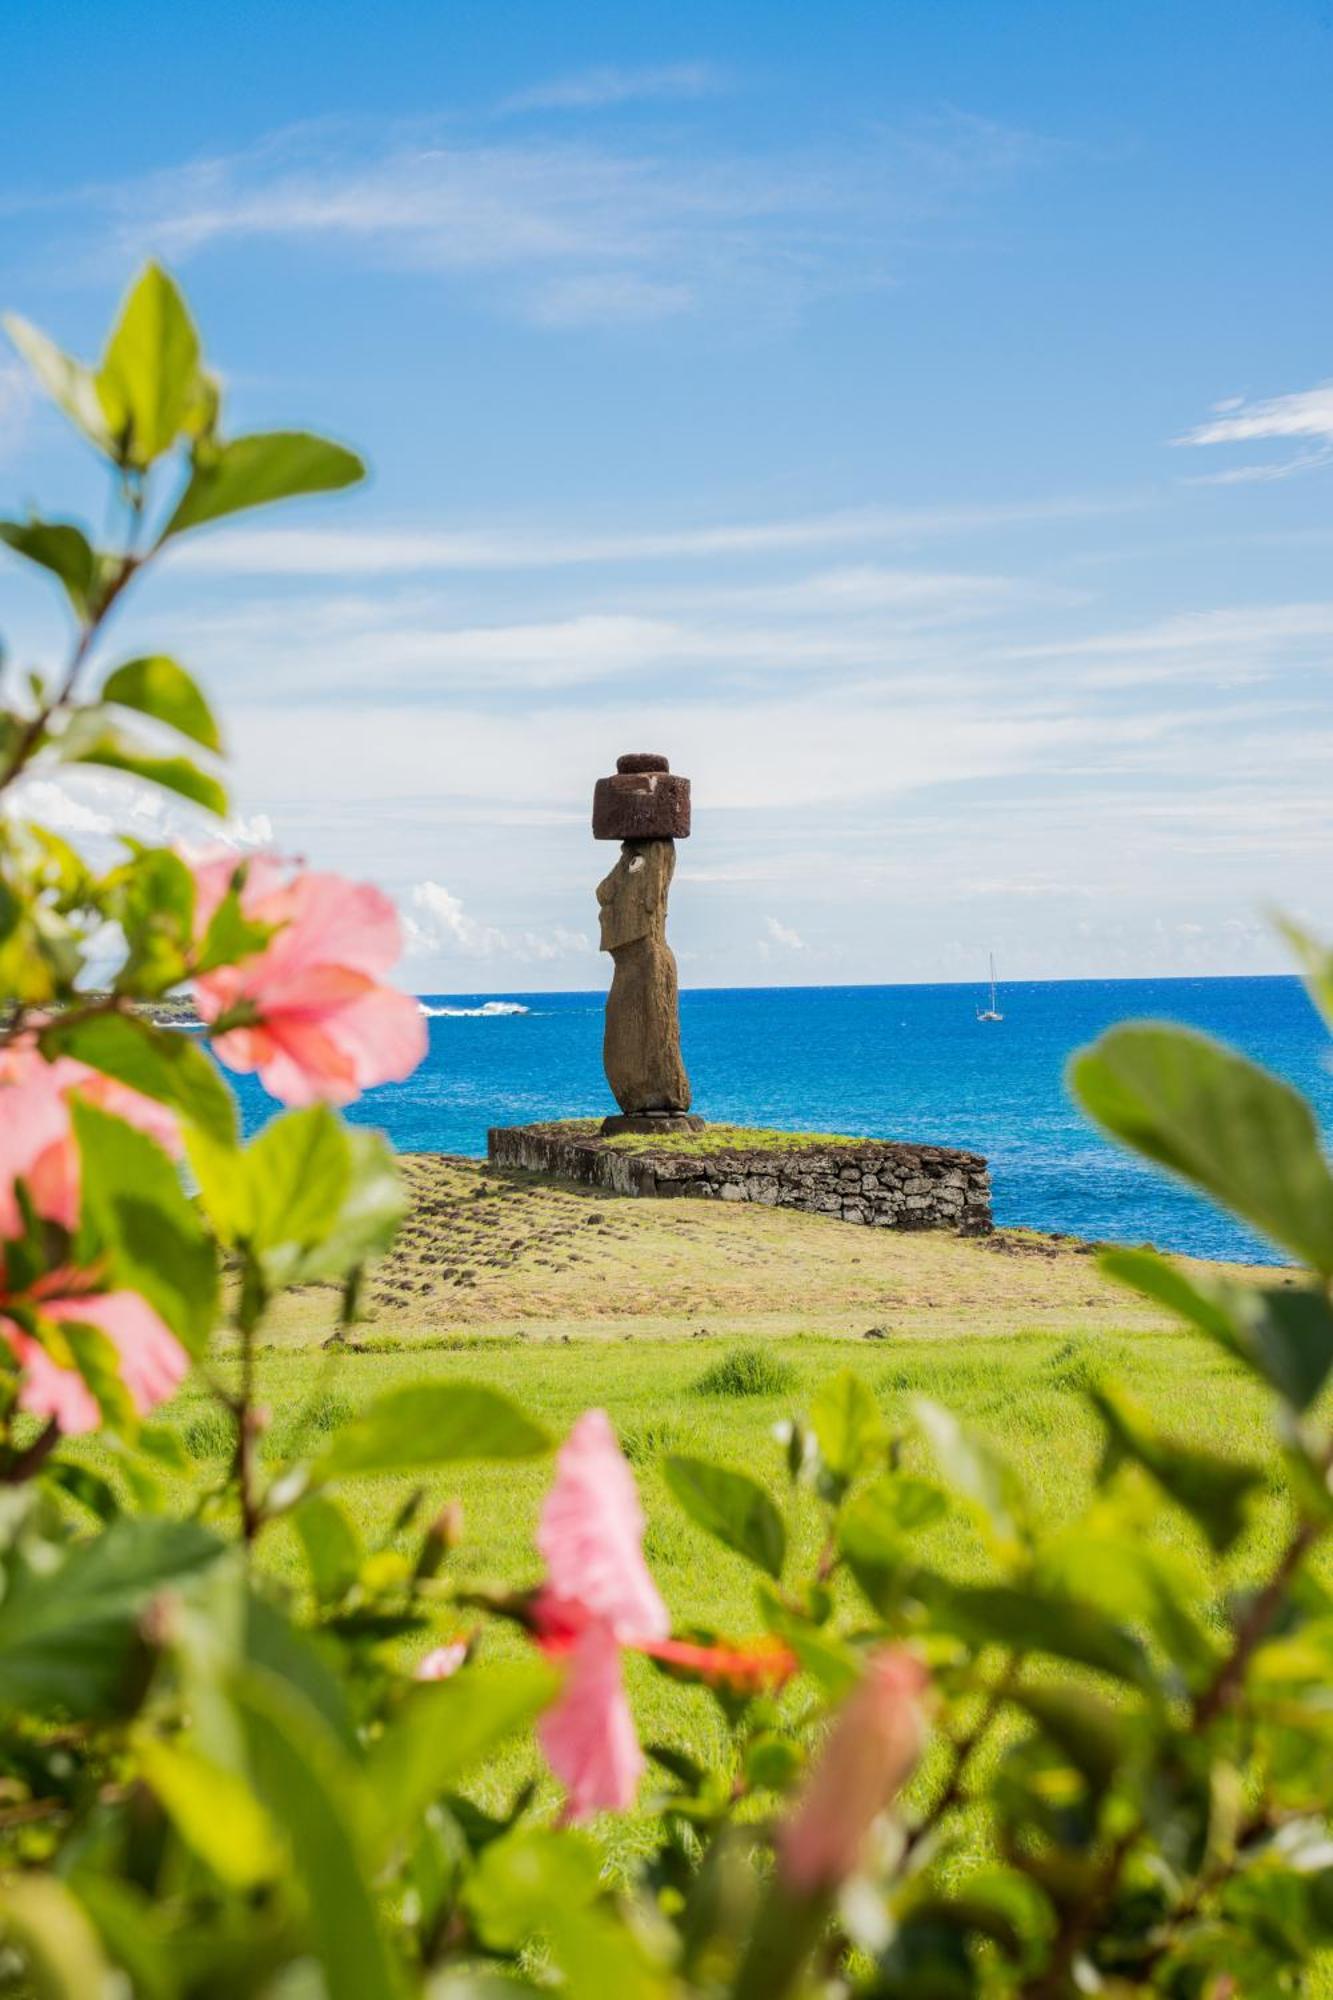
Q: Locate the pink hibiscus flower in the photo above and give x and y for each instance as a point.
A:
(598, 1598)
(152, 1361)
(37, 1147)
(598, 1602)
(22, 1063)
(36, 1144)
(870, 1752)
(323, 1025)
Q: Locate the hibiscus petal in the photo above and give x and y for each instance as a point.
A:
(36, 1145)
(588, 1736)
(591, 1534)
(47, 1389)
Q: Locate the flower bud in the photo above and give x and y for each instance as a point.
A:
(871, 1750)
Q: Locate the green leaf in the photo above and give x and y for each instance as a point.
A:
(150, 1234)
(230, 935)
(149, 378)
(62, 549)
(333, 1549)
(444, 1729)
(876, 1534)
(312, 1794)
(213, 1810)
(1316, 963)
(297, 1172)
(367, 1221)
(1215, 1491)
(48, 1929)
(151, 896)
(1283, 1332)
(1093, 1735)
(430, 1423)
(847, 1424)
(65, 380)
(1221, 1123)
(252, 471)
(89, 1488)
(160, 1063)
(979, 1474)
(1031, 1621)
(731, 1506)
(527, 1877)
(114, 751)
(68, 1635)
(157, 686)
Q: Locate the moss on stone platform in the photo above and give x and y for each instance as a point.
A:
(713, 1139)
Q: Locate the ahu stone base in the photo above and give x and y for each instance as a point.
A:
(881, 1183)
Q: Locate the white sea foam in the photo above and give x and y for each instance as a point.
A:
(486, 1012)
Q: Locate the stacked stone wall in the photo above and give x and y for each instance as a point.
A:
(883, 1184)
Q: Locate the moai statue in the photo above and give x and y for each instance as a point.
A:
(647, 809)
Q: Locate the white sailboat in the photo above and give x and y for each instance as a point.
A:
(991, 1013)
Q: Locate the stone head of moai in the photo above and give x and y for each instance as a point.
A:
(646, 807)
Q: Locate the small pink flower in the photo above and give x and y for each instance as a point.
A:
(443, 1662)
(871, 1750)
(325, 1026)
(152, 1360)
(597, 1598)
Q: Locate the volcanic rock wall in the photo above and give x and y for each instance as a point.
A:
(881, 1183)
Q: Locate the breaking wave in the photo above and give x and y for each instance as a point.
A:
(483, 1013)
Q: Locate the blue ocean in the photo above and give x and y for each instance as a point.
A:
(908, 1062)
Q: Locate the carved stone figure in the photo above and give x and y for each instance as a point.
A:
(646, 808)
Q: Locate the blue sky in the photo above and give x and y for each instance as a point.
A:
(914, 419)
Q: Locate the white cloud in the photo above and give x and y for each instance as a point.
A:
(596, 89)
(94, 810)
(782, 934)
(1308, 413)
(436, 924)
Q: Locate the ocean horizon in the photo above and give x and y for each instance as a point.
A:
(907, 1062)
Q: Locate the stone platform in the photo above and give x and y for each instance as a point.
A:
(881, 1183)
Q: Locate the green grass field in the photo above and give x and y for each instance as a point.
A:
(699, 1327)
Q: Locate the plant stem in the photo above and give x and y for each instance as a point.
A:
(33, 1458)
(1258, 1619)
(964, 1749)
(31, 737)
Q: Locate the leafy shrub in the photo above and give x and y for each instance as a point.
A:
(214, 1784)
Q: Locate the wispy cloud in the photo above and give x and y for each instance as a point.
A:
(1308, 413)
(571, 232)
(341, 552)
(596, 89)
